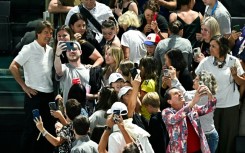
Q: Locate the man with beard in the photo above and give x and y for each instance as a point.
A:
(36, 59)
(73, 70)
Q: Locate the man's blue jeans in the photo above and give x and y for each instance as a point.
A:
(213, 139)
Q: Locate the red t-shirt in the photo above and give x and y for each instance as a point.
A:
(193, 140)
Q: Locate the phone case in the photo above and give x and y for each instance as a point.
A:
(35, 113)
(133, 72)
(52, 106)
(70, 45)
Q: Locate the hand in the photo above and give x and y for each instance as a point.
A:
(136, 82)
(61, 46)
(235, 35)
(233, 71)
(109, 121)
(199, 36)
(201, 91)
(58, 126)
(58, 97)
(154, 26)
(78, 36)
(199, 58)
(39, 124)
(147, 28)
(29, 91)
(167, 81)
(120, 123)
(56, 113)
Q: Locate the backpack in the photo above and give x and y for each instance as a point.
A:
(95, 80)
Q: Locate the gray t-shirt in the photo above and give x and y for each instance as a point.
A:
(223, 17)
(70, 72)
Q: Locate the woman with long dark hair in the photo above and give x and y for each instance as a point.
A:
(78, 24)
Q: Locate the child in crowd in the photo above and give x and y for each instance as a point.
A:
(151, 42)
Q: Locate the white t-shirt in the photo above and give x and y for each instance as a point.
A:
(37, 64)
(134, 39)
(97, 118)
(227, 93)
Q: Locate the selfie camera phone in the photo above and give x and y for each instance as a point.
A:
(155, 17)
(35, 113)
(70, 45)
(133, 72)
(201, 83)
(52, 105)
(196, 51)
(166, 73)
(116, 116)
(236, 28)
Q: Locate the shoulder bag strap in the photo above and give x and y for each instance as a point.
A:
(90, 17)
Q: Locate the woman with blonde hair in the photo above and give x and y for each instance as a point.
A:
(209, 28)
(132, 39)
(113, 57)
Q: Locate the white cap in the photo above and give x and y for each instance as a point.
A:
(118, 106)
(114, 77)
(123, 91)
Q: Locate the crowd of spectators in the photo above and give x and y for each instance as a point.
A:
(132, 77)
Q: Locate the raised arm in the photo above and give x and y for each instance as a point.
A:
(55, 6)
(57, 62)
(134, 96)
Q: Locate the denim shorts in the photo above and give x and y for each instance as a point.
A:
(213, 139)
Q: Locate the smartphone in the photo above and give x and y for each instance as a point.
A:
(166, 73)
(35, 113)
(116, 116)
(119, 4)
(201, 83)
(236, 28)
(69, 45)
(133, 72)
(155, 17)
(196, 52)
(52, 105)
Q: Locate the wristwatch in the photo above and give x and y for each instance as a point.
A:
(107, 128)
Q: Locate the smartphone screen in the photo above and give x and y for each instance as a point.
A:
(116, 115)
(70, 45)
(35, 113)
(52, 105)
(166, 73)
(133, 72)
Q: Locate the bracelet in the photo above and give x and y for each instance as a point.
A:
(107, 128)
(44, 133)
(57, 55)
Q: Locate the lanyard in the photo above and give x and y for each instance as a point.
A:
(214, 8)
